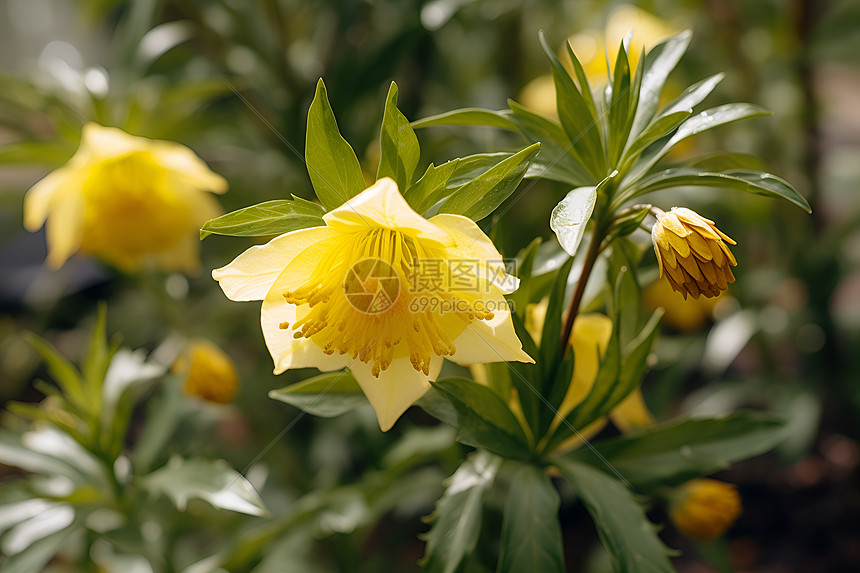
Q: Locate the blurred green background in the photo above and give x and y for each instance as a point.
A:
(232, 79)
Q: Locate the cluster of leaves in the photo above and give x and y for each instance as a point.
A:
(81, 479)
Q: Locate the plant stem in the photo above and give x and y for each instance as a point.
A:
(576, 300)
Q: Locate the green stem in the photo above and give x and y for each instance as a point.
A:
(576, 300)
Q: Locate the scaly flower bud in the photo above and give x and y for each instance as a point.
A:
(691, 252)
(705, 508)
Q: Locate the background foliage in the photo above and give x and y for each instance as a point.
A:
(234, 80)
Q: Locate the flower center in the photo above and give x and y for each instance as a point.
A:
(131, 209)
(381, 294)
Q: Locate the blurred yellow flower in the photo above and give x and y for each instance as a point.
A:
(688, 315)
(704, 509)
(132, 201)
(383, 291)
(692, 253)
(589, 339)
(209, 373)
(592, 47)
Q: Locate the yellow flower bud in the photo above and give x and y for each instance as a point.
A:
(704, 509)
(210, 373)
(133, 202)
(691, 253)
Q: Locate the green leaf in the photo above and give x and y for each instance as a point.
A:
(468, 116)
(750, 181)
(327, 395)
(398, 146)
(629, 538)
(484, 420)
(332, 165)
(550, 340)
(703, 121)
(582, 78)
(674, 452)
(577, 119)
(619, 107)
(64, 374)
(264, 219)
(531, 535)
(659, 62)
(457, 518)
(660, 127)
(213, 481)
(570, 217)
(472, 166)
(482, 195)
(692, 96)
(432, 187)
(627, 224)
(37, 555)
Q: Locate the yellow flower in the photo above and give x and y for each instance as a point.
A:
(592, 47)
(704, 509)
(383, 291)
(691, 252)
(688, 316)
(589, 339)
(132, 201)
(209, 373)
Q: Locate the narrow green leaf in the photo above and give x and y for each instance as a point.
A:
(264, 219)
(582, 79)
(38, 554)
(327, 395)
(213, 481)
(398, 146)
(674, 452)
(750, 181)
(661, 126)
(484, 420)
(557, 160)
(531, 535)
(457, 517)
(482, 195)
(472, 166)
(332, 165)
(576, 117)
(692, 96)
(550, 340)
(468, 116)
(703, 121)
(432, 187)
(619, 107)
(630, 539)
(64, 373)
(657, 64)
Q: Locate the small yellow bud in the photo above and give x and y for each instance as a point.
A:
(704, 509)
(692, 253)
(210, 373)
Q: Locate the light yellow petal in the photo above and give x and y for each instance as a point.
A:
(250, 275)
(632, 413)
(397, 387)
(64, 229)
(491, 340)
(470, 243)
(42, 196)
(188, 167)
(589, 338)
(99, 142)
(382, 205)
(287, 351)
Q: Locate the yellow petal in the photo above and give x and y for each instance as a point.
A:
(632, 413)
(64, 229)
(250, 275)
(382, 205)
(589, 338)
(470, 243)
(187, 166)
(491, 340)
(99, 142)
(41, 197)
(287, 351)
(396, 388)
